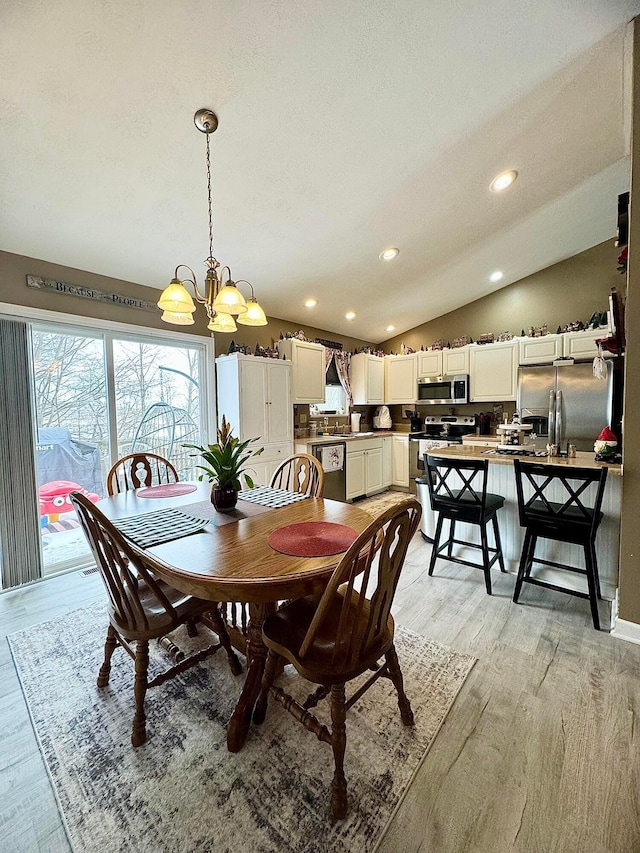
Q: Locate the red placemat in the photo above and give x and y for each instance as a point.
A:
(312, 539)
(166, 490)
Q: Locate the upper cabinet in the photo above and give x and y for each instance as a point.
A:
(493, 372)
(400, 378)
(582, 345)
(429, 363)
(308, 369)
(541, 350)
(367, 379)
(455, 361)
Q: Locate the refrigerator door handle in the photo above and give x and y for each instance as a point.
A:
(559, 436)
(552, 418)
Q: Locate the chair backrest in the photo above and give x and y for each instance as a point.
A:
(374, 560)
(455, 480)
(559, 494)
(124, 570)
(140, 469)
(301, 473)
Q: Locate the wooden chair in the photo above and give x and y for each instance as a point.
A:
(141, 608)
(456, 495)
(300, 473)
(561, 503)
(333, 638)
(140, 469)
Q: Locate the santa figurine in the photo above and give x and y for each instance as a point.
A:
(605, 444)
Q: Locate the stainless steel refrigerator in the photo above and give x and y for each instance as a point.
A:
(565, 403)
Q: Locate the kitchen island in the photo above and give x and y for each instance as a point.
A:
(501, 481)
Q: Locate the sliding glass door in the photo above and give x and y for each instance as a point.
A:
(97, 396)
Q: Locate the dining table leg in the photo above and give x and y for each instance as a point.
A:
(256, 658)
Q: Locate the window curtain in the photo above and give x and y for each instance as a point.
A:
(342, 366)
(21, 559)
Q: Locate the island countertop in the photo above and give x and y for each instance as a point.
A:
(582, 459)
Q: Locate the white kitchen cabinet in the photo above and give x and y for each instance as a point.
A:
(400, 378)
(400, 460)
(582, 345)
(364, 467)
(387, 463)
(254, 394)
(429, 363)
(493, 372)
(455, 362)
(541, 350)
(308, 369)
(367, 379)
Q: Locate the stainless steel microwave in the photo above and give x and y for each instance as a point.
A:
(443, 390)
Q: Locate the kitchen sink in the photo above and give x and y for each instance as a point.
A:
(352, 434)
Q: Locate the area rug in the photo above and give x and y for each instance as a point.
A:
(379, 503)
(182, 791)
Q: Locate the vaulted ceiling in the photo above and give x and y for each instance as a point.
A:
(345, 128)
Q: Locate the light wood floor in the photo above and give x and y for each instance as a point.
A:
(540, 753)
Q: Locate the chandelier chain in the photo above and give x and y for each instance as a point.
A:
(209, 198)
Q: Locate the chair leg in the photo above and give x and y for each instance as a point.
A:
(109, 647)
(270, 672)
(591, 583)
(139, 733)
(339, 743)
(192, 627)
(452, 536)
(436, 544)
(524, 558)
(221, 630)
(485, 557)
(496, 536)
(395, 673)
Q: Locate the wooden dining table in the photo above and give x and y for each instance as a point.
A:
(231, 560)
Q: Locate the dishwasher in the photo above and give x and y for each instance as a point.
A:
(333, 459)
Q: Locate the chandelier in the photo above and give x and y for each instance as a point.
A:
(222, 300)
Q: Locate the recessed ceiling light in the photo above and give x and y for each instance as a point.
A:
(350, 315)
(390, 329)
(389, 254)
(496, 276)
(311, 303)
(501, 182)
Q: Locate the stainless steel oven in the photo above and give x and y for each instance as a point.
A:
(439, 432)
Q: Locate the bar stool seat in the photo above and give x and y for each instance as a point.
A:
(458, 492)
(561, 503)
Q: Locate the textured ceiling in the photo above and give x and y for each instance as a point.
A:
(344, 128)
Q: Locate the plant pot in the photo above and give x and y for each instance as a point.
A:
(224, 499)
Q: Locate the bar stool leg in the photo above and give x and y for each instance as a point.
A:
(591, 583)
(485, 556)
(452, 533)
(496, 534)
(524, 557)
(436, 544)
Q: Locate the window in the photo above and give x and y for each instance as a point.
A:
(335, 402)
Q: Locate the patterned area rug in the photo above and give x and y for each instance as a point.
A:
(378, 503)
(182, 791)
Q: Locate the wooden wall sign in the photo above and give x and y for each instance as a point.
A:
(90, 293)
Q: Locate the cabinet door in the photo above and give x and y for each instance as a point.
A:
(308, 380)
(279, 407)
(355, 474)
(400, 460)
(253, 400)
(387, 453)
(540, 350)
(373, 471)
(401, 378)
(429, 364)
(582, 345)
(375, 380)
(455, 361)
(493, 372)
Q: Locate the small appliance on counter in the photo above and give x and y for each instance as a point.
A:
(416, 420)
(355, 421)
(382, 418)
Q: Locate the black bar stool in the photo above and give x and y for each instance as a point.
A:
(562, 503)
(458, 492)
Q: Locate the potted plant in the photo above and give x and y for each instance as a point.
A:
(225, 466)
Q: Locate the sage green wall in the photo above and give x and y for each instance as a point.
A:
(13, 289)
(567, 291)
(629, 596)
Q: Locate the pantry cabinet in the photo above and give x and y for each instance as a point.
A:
(493, 372)
(254, 395)
(308, 369)
(367, 379)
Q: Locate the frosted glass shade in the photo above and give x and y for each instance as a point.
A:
(184, 319)
(222, 323)
(230, 301)
(255, 315)
(176, 299)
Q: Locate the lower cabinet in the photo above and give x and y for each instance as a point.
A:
(262, 468)
(400, 460)
(364, 468)
(387, 457)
